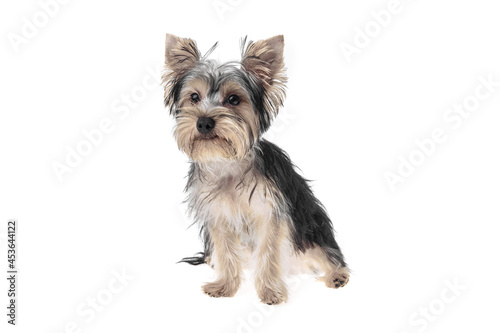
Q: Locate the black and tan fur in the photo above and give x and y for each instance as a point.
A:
(252, 206)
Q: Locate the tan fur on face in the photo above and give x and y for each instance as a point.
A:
(198, 86)
(235, 128)
(244, 109)
(228, 139)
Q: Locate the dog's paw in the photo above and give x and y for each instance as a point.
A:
(220, 288)
(337, 279)
(271, 297)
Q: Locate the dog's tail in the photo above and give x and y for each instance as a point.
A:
(197, 259)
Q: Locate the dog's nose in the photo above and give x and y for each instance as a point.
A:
(205, 125)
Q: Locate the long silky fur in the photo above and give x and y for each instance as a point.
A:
(264, 80)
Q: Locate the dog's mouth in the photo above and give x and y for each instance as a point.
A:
(211, 138)
(206, 137)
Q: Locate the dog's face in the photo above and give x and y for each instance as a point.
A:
(221, 110)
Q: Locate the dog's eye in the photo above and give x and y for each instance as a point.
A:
(233, 100)
(195, 98)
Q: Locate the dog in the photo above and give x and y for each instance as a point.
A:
(252, 206)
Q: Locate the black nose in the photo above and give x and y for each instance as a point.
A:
(205, 125)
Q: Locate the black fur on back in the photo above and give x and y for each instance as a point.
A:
(311, 223)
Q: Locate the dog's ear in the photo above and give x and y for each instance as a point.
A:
(264, 59)
(181, 54)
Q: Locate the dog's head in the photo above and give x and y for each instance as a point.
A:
(222, 110)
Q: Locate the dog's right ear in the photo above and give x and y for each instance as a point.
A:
(181, 54)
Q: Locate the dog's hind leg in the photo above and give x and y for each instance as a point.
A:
(336, 274)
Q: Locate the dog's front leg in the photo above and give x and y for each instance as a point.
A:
(269, 273)
(225, 255)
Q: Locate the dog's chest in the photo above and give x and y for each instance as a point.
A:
(232, 194)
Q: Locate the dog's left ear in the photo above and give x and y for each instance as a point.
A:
(264, 61)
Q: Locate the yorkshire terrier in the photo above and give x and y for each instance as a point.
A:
(244, 192)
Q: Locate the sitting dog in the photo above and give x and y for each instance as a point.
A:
(243, 191)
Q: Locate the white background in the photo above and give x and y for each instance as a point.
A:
(344, 124)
